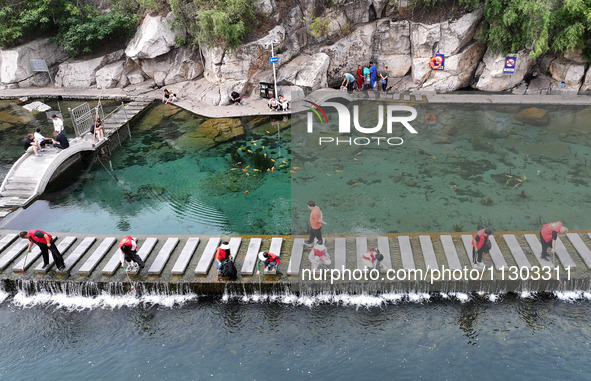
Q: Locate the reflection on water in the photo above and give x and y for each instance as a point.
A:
(203, 338)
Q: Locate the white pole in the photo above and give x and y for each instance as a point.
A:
(274, 76)
(276, 97)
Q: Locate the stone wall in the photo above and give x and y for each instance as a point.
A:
(359, 32)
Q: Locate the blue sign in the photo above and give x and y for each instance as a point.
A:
(510, 65)
(274, 59)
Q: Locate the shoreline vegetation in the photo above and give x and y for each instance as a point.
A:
(82, 28)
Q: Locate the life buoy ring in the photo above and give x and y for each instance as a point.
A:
(435, 62)
(430, 118)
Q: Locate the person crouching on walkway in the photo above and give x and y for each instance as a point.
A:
(319, 256)
(60, 141)
(372, 259)
(548, 236)
(128, 253)
(481, 244)
(270, 260)
(222, 253)
(99, 131)
(45, 243)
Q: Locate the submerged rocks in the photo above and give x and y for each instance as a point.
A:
(215, 131)
(533, 116)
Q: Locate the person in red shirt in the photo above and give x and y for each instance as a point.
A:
(45, 243)
(222, 252)
(316, 223)
(548, 236)
(130, 260)
(270, 260)
(481, 244)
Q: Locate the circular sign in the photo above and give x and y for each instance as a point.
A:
(510, 62)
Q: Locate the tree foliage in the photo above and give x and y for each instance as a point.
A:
(538, 25)
(78, 27)
(224, 23)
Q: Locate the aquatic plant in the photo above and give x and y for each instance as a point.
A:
(458, 228)
(487, 201)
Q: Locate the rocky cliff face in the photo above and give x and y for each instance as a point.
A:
(357, 32)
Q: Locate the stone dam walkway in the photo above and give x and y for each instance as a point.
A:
(189, 259)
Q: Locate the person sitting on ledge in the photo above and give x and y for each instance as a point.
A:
(273, 104)
(235, 98)
(40, 139)
(283, 103)
(31, 146)
(99, 131)
(168, 97)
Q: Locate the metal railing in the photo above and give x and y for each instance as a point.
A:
(83, 117)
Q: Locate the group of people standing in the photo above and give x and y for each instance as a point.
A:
(366, 77)
(36, 143)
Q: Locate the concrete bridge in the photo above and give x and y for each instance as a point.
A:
(30, 175)
(185, 262)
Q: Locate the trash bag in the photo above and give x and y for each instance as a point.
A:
(228, 270)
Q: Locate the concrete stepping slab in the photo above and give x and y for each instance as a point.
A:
(251, 256)
(496, 255)
(536, 248)
(428, 252)
(71, 260)
(163, 256)
(516, 251)
(340, 253)
(295, 260)
(361, 249)
(384, 248)
(97, 256)
(7, 240)
(408, 261)
(14, 252)
(453, 260)
(581, 248)
(184, 258)
(62, 246)
(207, 257)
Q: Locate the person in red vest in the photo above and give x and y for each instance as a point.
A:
(481, 244)
(270, 260)
(319, 256)
(372, 259)
(316, 223)
(128, 253)
(45, 243)
(222, 253)
(548, 236)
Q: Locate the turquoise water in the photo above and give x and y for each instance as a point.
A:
(476, 166)
(176, 175)
(179, 338)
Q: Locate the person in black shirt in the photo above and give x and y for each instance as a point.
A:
(60, 141)
(31, 146)
(235, 98)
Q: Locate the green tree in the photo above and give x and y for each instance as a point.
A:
(539, 25)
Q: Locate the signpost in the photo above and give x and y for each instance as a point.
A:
(40, 66)
(273, 59)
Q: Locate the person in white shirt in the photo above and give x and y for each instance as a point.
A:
(58, 124)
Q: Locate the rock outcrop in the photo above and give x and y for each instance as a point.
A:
(493, 77)
(154, 38)
(15, 66)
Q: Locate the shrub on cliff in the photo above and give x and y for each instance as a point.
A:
(224, 23)
(78, 27)
(542, 26)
